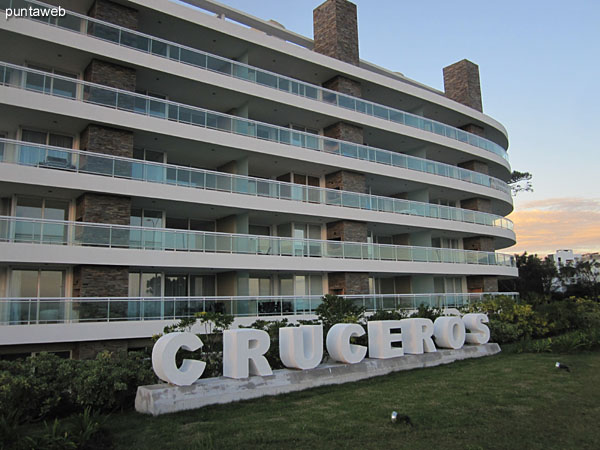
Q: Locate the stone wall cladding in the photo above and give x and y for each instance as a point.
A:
(477, 204)
(476, 166)
(100, 281)
(479, 243)
(345, 283)
(114, 13)
(482, 284)
(347, 230)
(89, 350)
(461, 84)
(109, 74)
(474, 129)
(101, 208)
(346, 181)
(345, 132)
(107, 140)
(344, 85)
(336, 30)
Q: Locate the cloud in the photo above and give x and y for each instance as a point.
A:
(544, 226)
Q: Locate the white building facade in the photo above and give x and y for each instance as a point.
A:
(159, 159)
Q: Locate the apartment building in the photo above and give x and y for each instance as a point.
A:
(159, 159)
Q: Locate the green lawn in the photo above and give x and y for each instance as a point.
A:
(516, 401)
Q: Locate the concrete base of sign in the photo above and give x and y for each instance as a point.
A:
(164, 398)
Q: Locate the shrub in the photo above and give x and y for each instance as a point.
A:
(45, 385)
(388, 315)
(110, 381)
(334, 309)
(578, 340)
(504, 332)
(426, 312)
(509, 320)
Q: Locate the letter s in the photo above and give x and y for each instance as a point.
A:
(478, 332)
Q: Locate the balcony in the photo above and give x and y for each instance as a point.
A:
(186, 55)
(58, 158)
(77, 90)
(55, 232)
(65, 310)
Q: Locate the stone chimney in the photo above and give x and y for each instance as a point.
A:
(461, 83)
(336, 30)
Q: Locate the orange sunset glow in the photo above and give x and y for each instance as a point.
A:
(544, 226)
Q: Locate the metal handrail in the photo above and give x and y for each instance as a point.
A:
(60, 158)
(147, 238)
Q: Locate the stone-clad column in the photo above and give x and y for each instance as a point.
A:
(336, 35)
(103, 281)
(336, 30)
(345, 283)
(109, 74)
(461, 83)
(345, 180)
(112, 12)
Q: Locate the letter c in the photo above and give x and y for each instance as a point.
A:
(339, 346)
(165, 365)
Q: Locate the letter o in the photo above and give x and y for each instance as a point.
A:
(449, 332)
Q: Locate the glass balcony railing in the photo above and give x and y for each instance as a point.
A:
(65, 87)
(191, 56)
(46, 310)
(22, 153)
(40, 231)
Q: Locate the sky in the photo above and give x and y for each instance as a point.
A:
(539, 64)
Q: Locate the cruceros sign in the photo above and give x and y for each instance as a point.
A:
(302, 347)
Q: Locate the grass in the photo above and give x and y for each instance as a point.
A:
(505, 401)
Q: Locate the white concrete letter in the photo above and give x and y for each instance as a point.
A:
(416, 336)
(339, 346)
(165, 365)
(243, 352)
(381, 338)
(449, 332)
(301, 347)
(479, 333)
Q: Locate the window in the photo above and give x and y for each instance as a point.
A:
(146, 238)
(300, 286)
(49, 84)
(202, 286)
(2, 136)
(259, 286)
(41, 208)
(155, 108)
(41, 291)
(304, 129)
(38, 155)
(143, 284)
(176, 285)
(150, 172)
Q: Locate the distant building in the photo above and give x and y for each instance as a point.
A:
(565, 257)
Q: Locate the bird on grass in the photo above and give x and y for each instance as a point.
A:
(562, 366)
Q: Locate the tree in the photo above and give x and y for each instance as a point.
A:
(334, 309)
(520, 182)
(581, 279)
(535, 275)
